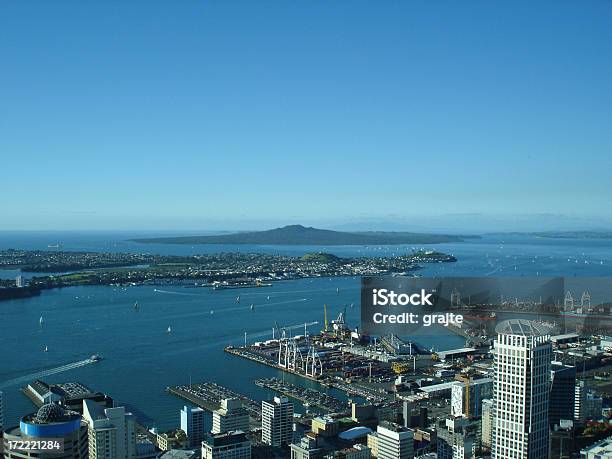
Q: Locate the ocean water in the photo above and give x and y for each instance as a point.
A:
(141, 359)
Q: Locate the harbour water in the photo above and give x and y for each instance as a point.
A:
(140, 359)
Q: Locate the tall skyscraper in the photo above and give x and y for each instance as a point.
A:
(277, 422)
(111, 431)
(192, 423)
(231, 416)
(51, 422)
(523, 354)
(394, 441)
(562, 392)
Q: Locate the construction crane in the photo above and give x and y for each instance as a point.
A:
(326, 327)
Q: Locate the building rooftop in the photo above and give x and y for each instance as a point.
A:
(523, 327)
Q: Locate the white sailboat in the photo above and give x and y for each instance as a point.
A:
(41, 320)
(169, 329)
(46, 349)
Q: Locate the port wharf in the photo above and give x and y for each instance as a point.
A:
(208, 395)
(309, 397)
(351, 389)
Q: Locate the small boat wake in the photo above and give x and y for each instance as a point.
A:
(48, 372)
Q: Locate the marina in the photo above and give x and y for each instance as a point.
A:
(309, 397)
(208, 395)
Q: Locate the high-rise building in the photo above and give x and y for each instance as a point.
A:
(227, 445)
(394, 441)
(562, 389)
(467, 396)
(192, 423)
(586, 404)
(51, 422)
(111, 431)
(231, 416)
(523, 354)
(277, 422)
(487, 422)
(19, 282)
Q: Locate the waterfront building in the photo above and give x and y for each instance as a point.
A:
(457, 438)
(487, 422)
(226, 445)
(600, 450)
(19, 282)
(523, 354)
(277, 422)
(111, 431)
(49, 423)
(230, 416)
(562, 391)
(192, 423)
(394, 441)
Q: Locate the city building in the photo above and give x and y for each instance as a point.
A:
(226, 445)
(231, 416)
(357, 451)
(277, 422)
(372, 443)
(457, 438)
(49, 423)
(562, 390)
(19, 281)
(394, 441)
(523, 355)
(586, 404)
(309, 447)
(487, 423)
(467, 395)
(325, 426)
(111, 431)
(600, 450)
(192, 423)
(562, 440)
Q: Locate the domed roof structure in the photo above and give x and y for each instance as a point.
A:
(51, 412)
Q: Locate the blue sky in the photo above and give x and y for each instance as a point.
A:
(249, 114)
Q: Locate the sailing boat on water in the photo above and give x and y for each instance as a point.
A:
(41, 320)
(169, 329)
(136, 306)
(46, 349)
(238, 299)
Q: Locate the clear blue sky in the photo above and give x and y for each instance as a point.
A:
(231, 114)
